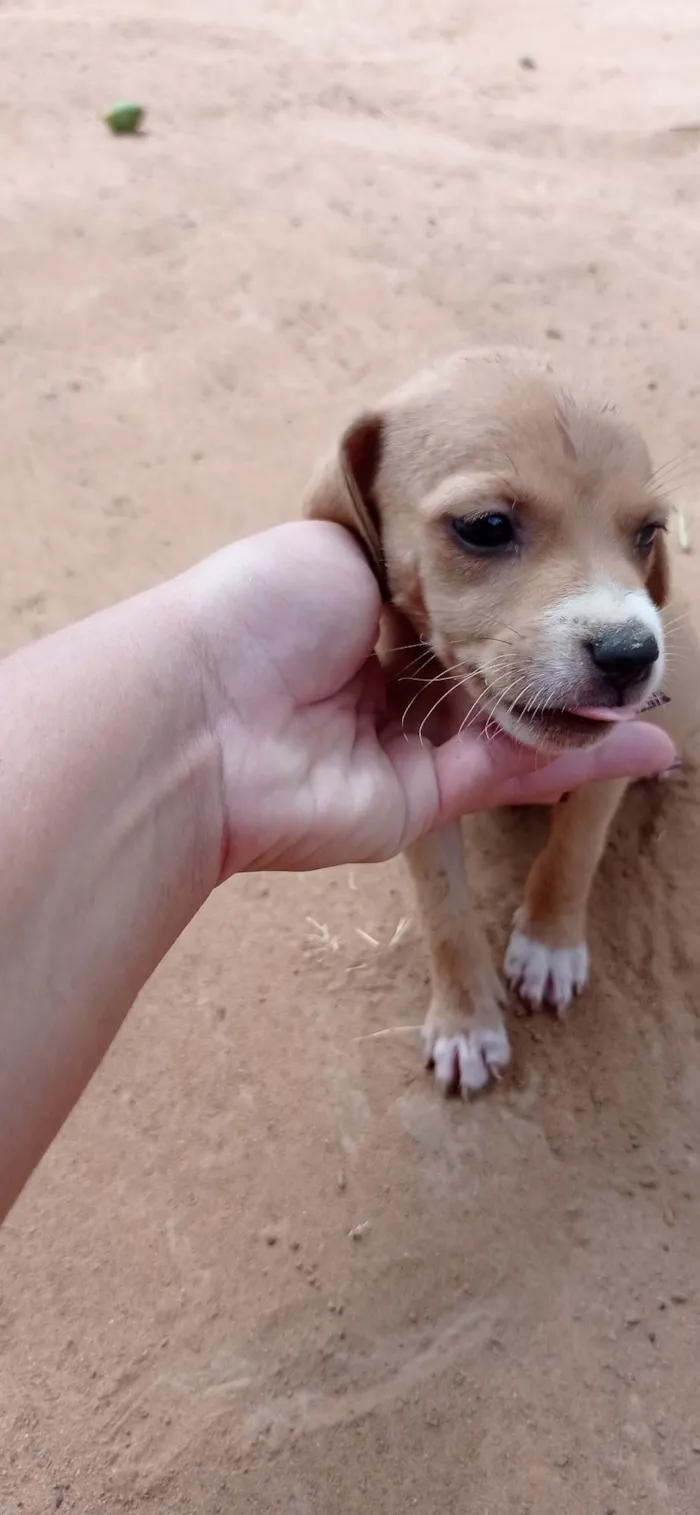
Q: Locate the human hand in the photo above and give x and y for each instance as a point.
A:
(311, 773)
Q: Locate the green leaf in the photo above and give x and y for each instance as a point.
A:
(125, 117)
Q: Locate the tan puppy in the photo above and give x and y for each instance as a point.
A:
(518, 536)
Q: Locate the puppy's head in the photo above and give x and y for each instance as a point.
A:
(513, 519)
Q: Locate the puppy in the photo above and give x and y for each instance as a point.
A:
(517, 533)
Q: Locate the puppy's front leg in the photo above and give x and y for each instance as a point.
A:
(547, 958)
(465, 1037)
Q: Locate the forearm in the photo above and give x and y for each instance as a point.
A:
(233, 719)
(110, 832)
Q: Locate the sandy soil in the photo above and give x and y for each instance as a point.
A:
(329, 194)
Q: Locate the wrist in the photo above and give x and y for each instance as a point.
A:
(190, 782)
(209, 602)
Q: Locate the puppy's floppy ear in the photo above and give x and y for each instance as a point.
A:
(658, 579)
(344, 490)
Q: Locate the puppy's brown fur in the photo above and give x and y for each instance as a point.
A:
(503, 635)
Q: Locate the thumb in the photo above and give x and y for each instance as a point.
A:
(475, 774)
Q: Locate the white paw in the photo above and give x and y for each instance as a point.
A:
(467, 1062)
(545, 975)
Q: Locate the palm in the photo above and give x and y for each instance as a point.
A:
(354, 789)
(311, 773)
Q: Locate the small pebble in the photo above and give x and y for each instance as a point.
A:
(356, 1233)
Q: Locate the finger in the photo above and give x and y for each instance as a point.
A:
(633, 752)
(321, 619)
(302, 603)
(467, 774)
(475, 774)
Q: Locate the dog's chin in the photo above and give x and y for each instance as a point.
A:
(551, 731)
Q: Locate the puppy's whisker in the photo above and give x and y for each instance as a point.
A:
(412, 702)
(422, 684)
(500, 699)
(438, 678)
(475, 707)
(446, 675)
(680, 657)
(503, 693)
(434, 707)
(538, 701)
(417, 663)
(540, 704)
(671, 477)
(425, 684)
(679, 460)
(674, 477)
(533, 698)
(498, 665)
(676, 621)
(520, 687)
(409, 646)
(473, 711)
(677, 650)
(520, 697)
(418, 678)
(451, 673)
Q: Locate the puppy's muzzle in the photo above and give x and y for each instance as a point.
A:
(624, 655)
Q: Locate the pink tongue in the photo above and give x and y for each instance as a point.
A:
(603, 713)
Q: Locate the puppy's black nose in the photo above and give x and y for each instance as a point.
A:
(624, 653)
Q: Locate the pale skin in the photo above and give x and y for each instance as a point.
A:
(230, 720)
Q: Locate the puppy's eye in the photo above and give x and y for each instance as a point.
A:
(489, 533)
(646, 536)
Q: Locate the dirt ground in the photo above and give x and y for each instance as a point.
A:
(265, 1267)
